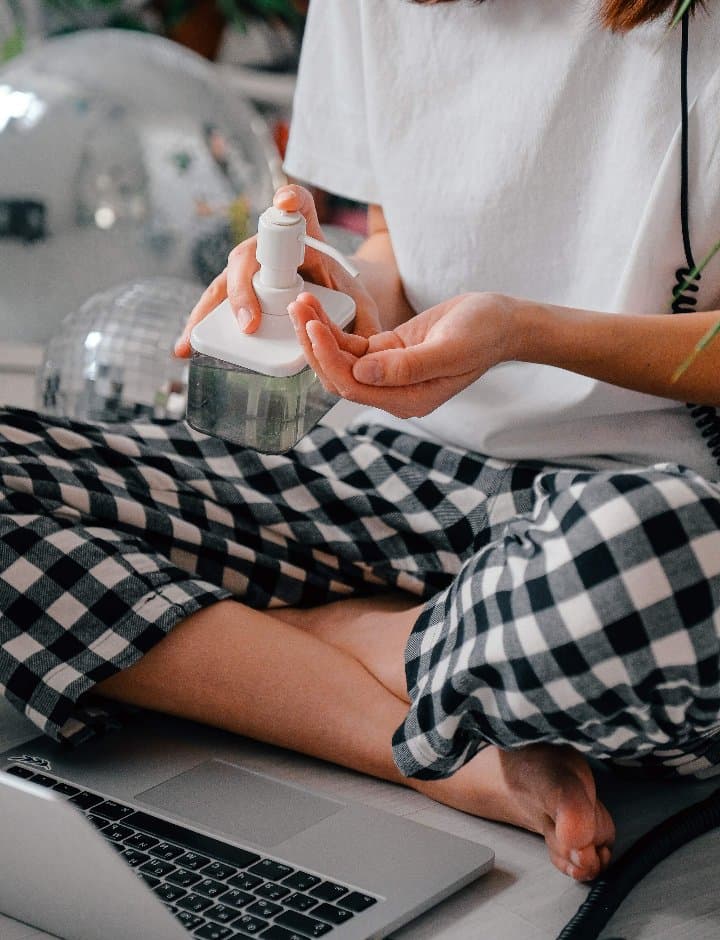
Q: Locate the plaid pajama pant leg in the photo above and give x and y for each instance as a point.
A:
(591, 619)
(112, 534)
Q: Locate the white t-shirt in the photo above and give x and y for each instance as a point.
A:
(517, 146)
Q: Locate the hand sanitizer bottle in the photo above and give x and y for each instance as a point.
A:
(257, 389)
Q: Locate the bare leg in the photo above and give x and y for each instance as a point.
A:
(251, 673)
(547, 789)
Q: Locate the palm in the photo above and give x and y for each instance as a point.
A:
(425, 361)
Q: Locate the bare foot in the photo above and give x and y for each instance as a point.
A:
(543, 788)
(546, 789)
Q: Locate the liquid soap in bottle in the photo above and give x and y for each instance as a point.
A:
(257, 389)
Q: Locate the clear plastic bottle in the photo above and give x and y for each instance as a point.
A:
(257, 389)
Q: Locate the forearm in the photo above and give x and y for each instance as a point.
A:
(379, 272)
(638, 352)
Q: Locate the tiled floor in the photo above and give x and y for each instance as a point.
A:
(524, 898)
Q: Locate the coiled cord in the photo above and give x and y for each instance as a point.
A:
(611, 889)
(686, 288)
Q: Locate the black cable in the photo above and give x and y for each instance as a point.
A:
(685, 142)
(685, 294)
(612, 888)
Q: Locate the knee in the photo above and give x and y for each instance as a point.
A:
(648, 539)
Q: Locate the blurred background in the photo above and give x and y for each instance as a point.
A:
(139, 142)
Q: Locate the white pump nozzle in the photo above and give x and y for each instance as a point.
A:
(281, 241)
(332, 253)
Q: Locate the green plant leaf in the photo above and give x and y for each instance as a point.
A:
(697, 270)
(713, 332)
(683, 7)
(12, 46)
(703, 343)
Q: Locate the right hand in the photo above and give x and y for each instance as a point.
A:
(235, 282)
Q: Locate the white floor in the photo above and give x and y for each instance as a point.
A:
(524, 898)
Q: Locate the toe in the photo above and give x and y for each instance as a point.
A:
(574, 816)
(583, 864)
(604, 826)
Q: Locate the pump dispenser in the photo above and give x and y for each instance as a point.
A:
(257, 389)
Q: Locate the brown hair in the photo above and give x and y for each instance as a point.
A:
(622, 15)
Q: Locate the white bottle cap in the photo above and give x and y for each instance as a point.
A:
(280, 247)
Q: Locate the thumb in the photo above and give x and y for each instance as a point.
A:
(407, 366)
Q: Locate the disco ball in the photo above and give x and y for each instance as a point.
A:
(112, 359)
(122, 155)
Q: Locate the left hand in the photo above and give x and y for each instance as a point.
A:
(415, 368)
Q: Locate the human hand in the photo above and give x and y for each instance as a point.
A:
(415, 368)
(235, 282)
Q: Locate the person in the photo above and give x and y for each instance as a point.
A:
(511, 562)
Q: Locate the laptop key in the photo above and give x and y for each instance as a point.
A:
(302, 924)
(135, 858)
(184, 878)
(272, 871)
(141, 842)
(302, 881)
(193, 861)
(86, 800)
(149, 880)
(157, 868)
(169, 893)
(272, 891)
(244, 881)
(191, 921)
(166, 851)
(221, 913)
(357, 902)
(300, 902)
(264, 909)
(215, 932)
(116, 833)
(112, 810)
(332, 914)
(18, 771)
(194, 903)
(220, 870)
(280, 933)
(210, 888)
(42, 780)
(171, 832)
(237, 898)
(328, 891)
(65, 789)
(98, 822)
(250, 925)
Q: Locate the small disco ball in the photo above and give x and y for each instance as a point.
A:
(112, 360)
(122, 155)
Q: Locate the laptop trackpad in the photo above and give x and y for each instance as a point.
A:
(245, 806)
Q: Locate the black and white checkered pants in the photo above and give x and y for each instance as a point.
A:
(563, 606)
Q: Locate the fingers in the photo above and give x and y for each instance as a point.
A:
(335, 365)
(295, 198)
(406, 366)
(213, 295)
(310, 308)
(242, 264)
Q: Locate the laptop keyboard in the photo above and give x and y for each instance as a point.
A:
(217, 891)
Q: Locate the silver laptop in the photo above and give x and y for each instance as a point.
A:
(159, 831)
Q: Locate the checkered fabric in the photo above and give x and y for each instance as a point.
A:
(593, 619)
(563, 606)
